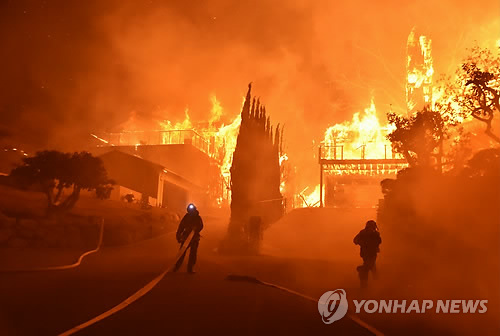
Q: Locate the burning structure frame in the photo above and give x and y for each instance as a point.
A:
(333, 165)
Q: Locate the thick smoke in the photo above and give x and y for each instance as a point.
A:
(69, 68)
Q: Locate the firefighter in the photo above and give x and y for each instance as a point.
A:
(369, 240)
(190, 222)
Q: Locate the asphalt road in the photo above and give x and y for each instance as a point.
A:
(50, 303)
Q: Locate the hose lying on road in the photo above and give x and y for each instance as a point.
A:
(134, 297)
(354, 318)
(63, 267)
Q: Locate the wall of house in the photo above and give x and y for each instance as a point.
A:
(132, 172)
(174, 198)
(184, 160)
(167, 187)
(119, 192)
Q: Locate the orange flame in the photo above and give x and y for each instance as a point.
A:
(212, 137)
(419, 71)
(310, 199)
(361, 138)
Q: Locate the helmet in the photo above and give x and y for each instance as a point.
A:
(191, 208)
(371, 225)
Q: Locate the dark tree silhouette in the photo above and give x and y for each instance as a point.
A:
(255, 170)
(486, 162)
(483, 100)
(475, 92)
(54, 172)
(418, 138)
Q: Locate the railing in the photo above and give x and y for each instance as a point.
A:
(167, 137)
(336, 152)
(333, 162)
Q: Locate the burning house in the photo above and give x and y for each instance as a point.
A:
(419, 71)
(183, 153)
(354, 157)
(198, 153)
(146, 179)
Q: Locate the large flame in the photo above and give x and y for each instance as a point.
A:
(226, 139)
(212, 136)
(215, 111)
(419, 71)
(364, 137)
(167, 125)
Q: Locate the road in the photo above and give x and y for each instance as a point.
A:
(50, 303)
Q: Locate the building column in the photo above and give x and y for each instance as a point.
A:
(159, 196)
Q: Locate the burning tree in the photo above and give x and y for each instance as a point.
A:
(418, 138)
(486, 162)
(255, 170)
(482, 93)
(475, 92)
(54, 172)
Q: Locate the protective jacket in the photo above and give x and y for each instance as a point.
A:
(190, 222)
(369, 241)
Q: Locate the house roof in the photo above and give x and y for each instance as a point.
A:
(135, 172)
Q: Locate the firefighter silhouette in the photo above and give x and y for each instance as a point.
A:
(369, 240)
(190, 222)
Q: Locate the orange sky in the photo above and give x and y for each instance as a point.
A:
(67, 71)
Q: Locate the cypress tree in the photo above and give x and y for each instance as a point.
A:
(255, 170)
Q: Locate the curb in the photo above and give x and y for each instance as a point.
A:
(63, 267)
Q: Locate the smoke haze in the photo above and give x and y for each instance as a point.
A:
(69, 68)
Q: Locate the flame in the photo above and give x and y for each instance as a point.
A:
(215, 139)
(212, 137)
(185, 124)
(284, 175)
(419, 71)
(283, 157)
(216, 111)
(100, 139)
(226, 140)
(311, 199)
(361, 138)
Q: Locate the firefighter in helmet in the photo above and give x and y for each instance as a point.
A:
(369, 240)
(191, 222)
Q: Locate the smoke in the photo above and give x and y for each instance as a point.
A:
(72, 68)
(439, 241)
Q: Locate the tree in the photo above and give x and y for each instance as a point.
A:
(55, 172)
(486, 162)
(255, 170)
(475, 92)
(103, 192)
(418, 138)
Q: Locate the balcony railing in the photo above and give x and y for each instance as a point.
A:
(167, 137)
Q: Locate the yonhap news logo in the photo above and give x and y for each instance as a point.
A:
(333, 305)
